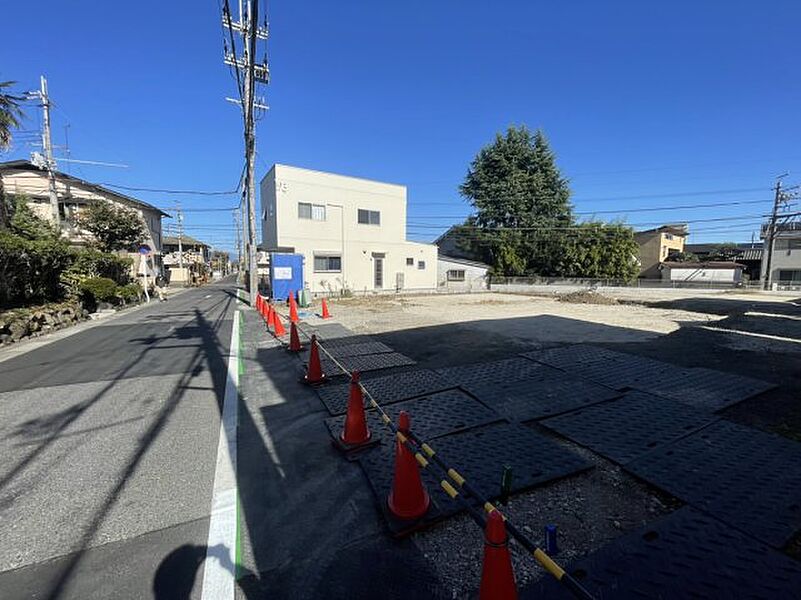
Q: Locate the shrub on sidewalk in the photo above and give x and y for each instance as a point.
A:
(98, 289)
(130, 293)
(89, 263)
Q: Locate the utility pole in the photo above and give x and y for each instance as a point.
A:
(47, 145)
(248, 27)
(771, 234)
(180, 217)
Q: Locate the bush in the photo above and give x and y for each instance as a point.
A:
(30, 269)
(90, 263)
(98, 289)
(130, 293)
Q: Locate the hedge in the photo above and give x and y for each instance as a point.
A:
(47, 270)
(30, 269)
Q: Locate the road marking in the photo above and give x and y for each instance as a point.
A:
(219, 577)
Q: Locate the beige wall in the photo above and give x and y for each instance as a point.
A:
(340, 233)
(654, 249)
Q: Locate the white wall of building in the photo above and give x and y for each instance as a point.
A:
(335, 231)
(701, 274)
(459, 275)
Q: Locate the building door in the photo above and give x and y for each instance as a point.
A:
(378, 271)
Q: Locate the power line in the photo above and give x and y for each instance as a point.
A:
(168, 191)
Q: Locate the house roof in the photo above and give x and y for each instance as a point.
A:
(712, 264)
(172, 240)
(26, 165)
(674, 228)
(750, 254)
(463, 261)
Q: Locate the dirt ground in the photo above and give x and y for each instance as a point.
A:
(751, 334)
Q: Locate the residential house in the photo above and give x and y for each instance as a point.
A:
(657, 245)
(24, 178)
(785, 260)
(451, 244)
(350, 231)
(713, 273)
(748, 254)
(188, 264)
(460, 274)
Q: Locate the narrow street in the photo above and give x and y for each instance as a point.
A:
(109, 439)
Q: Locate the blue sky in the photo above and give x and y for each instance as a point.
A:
(646, 105)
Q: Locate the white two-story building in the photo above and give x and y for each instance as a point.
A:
(351, 231)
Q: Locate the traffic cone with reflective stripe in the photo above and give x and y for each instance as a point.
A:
(497, 577)
(325, 314)
(294, 339)
(270, 316)
(355, 431)
(279, 327)
(293, 309)
(314, 370)
(408, 498)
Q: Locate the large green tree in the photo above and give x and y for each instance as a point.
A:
(113, 228)
(522, 204)
(10, 116)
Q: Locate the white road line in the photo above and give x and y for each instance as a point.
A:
(218, 574)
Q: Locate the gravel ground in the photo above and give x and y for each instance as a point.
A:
(589, 509)
(597, 506)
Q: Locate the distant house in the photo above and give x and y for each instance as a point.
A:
(461, 274)
(785, 260)
(711, 272)
(450, 244)
(656, 246)
(22, 177)
(191, 260)
(747, 254)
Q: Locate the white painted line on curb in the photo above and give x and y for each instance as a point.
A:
(219, 577)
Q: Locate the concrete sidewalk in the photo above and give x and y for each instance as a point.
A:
(310, 525)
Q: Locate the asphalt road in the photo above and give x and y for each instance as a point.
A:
(108, 442)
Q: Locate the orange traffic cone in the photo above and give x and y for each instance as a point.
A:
(326, 314)
(408, 498)
(279, 327)
(497, 577)
(270, 316)
(293, 309)
(294, 339)
(314, 371)
(355, 431)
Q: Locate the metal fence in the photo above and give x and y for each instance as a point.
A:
(497, 283)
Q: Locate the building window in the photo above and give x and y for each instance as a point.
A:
(456, 275)
(409, 262)
(421, 264)
(668, 236)
(328, 264)
(788, 244)
(369, 217)
(790, 277)
(315, 212)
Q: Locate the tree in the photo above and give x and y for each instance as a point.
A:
(10, 116)
(601, 250)
(10, 113)
(683, 257)
(113, 228)
(724, 251)
(522, 202)
(24, 222)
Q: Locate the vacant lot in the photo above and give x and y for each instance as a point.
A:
(747, 334)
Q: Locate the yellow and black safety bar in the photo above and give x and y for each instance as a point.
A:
(425, 455)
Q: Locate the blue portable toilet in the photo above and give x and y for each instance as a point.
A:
(286, 274)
